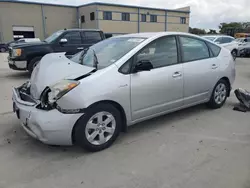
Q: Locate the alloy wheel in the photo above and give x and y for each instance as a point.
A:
(220, 93)
(100, 128)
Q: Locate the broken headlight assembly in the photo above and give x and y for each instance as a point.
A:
(60, 89)
(52, 93)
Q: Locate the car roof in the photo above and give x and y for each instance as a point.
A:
(155, 34)
(80, 29)
(216, 36)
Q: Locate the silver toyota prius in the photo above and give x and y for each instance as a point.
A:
(90, 98)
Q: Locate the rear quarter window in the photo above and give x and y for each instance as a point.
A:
(214, 48)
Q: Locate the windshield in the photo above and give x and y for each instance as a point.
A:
(210, 38)
(54, 36)
(106, 52)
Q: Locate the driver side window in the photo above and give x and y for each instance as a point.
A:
(73, 37)
(161, 52)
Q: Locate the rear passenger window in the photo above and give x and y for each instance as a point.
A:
(215, 49)
(193, 49)
(92, 36)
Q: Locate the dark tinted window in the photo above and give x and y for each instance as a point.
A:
(92, 36)
(143, 17)
(107, 15)
(153, 18)
(183, 20)
(218, 40)
(73, 37)
(193, 49)
(125, 17)
(226, 40)
(162, 52)
(215, 49)
(92, 16)
(82, 19)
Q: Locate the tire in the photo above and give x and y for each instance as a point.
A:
(234, 54)
(2, 50)
(219, 95)
(89, 130)
(32, 64)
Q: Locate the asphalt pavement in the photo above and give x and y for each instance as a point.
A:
(193, 148)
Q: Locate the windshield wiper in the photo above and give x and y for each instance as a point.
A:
(95, 60)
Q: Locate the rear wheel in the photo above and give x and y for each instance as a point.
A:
(234, 54)
(2, 50)
(219, 95)
(33, 63)
(98, 128)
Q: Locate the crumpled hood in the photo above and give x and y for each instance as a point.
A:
(53, 68)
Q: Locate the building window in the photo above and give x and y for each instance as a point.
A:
(82, 19)
(143, 17)
(153, 18)
(183, 20)
(92, 16)
(125, 17)
(107, 15)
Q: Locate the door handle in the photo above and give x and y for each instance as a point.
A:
(80, 48)
(177, 74)
(214, 66)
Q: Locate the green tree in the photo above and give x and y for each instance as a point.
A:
(197, 31)
(212, 31)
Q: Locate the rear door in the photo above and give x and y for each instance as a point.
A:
(73, 45)
(200, 70)
(91, 37)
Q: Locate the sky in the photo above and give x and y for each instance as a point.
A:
(206, 14)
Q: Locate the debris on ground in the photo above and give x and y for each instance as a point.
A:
(244, 97)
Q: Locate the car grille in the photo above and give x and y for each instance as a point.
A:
(10, 52)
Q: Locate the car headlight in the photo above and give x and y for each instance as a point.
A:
(60, 89)
(17, 52)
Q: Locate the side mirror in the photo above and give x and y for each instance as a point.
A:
(63, 41)
(217, 42)
(143, 65)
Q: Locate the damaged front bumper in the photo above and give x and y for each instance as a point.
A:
(49, 126)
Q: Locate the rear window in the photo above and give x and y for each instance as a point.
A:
(92, 36)
(214, 48)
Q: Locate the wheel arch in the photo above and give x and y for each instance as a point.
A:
(226, 79)
(116, 105)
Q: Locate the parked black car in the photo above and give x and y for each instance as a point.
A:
(26, 56)
(3, 47)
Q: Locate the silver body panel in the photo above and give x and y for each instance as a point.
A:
(142, 95)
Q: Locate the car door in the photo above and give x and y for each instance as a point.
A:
(200, 70)
(160, 89)
(91, 37)
(72, 45)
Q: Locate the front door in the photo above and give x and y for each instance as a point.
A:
(73, 44)
(160, 89)
(200, 70)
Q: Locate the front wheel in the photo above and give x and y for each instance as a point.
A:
(33, 63)
(219, 95)
(98, 128)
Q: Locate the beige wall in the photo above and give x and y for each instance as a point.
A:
(86, 12)
(58, 18)
(116, 26)
(19, 14)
